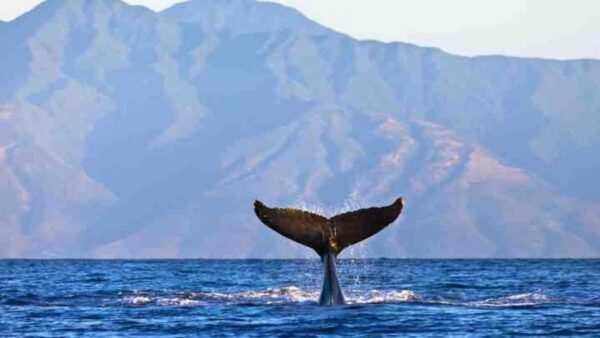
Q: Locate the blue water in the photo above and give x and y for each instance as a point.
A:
(66, 298)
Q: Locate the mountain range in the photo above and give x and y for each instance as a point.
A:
(127, 133)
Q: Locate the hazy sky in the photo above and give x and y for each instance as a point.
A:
(539, 28)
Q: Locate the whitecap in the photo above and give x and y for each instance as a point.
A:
(523, 299)
(291, 294)
(389, 296)
(136, 300)
(175, 301)
(288, 294)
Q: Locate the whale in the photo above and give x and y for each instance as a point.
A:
(328, 236)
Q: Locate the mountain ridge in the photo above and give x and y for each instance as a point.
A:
(131, 133)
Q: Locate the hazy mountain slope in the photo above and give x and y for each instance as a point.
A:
(127, 133)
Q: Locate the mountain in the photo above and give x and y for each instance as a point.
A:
(130, 133)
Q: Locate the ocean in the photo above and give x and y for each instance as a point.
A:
(385, 297)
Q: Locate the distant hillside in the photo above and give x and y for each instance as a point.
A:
(129, 133)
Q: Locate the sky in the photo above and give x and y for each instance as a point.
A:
(531, 28)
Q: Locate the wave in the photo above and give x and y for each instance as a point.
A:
(294, 295)
(391, 296)
(289, 294)
(523, 299)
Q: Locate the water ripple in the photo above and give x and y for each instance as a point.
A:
(279, 298)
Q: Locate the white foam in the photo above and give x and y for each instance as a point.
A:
(289, 294)
(523, 299)
(294, 294)
(283, 295)
(175, 301)
(136, 300)
(391, 296)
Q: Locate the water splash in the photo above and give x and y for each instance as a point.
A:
(393, 296)
(348, 205)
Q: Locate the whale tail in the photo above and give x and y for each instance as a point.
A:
(328, 235)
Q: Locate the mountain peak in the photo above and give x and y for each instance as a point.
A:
(49, 8)
(242, 16)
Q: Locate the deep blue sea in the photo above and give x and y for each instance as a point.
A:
(68, 298)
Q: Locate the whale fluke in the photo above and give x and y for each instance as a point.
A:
(328, 236)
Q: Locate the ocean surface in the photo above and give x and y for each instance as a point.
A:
(68, 298)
